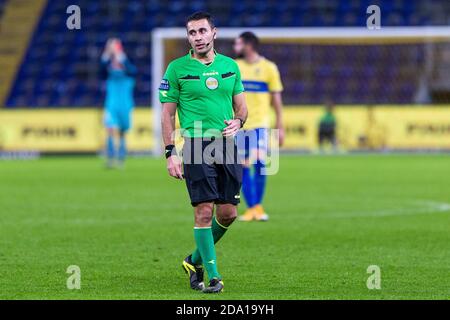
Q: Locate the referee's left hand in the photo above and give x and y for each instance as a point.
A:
(174, 167)
(232, 127)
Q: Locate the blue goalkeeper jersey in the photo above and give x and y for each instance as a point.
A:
(119, 85)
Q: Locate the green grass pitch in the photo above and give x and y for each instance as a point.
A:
(330, 218)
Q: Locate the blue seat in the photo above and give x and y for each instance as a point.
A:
(67, 59)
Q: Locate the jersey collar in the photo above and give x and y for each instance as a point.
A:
(260, 59)
(191, 51)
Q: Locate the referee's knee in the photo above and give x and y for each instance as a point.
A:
(226, 214)
(203, 214)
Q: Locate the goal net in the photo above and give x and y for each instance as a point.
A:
(391, 69)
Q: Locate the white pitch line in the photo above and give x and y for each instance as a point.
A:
(420, 207)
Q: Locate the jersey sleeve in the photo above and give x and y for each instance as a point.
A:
(169, 90)
(275, 84)
(238, 86)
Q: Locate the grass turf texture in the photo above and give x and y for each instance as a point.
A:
(331, 217)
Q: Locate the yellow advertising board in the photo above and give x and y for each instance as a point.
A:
(140, 137)
(49, 130)
(414, 127)
(81, 130)
(383, 127)
(302, 123)
(67, 130)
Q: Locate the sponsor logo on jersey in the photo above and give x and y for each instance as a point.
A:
(211, 73)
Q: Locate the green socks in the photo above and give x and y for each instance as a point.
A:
(205, 244)
(217, 231)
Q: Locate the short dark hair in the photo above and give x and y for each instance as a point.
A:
(250, 38)
(199, 15)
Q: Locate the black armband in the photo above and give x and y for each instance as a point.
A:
(170, 150)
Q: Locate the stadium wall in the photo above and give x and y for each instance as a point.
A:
(358, 128)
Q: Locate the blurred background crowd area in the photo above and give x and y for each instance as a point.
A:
(46, 65)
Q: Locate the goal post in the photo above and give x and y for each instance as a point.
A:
(312, 49)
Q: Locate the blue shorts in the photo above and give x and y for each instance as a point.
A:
(118, 119)
(249, 142)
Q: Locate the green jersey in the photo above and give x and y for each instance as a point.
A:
(202, 92)
(328, 119)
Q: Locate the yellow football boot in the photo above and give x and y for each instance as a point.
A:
(260, 215)
(248, 215)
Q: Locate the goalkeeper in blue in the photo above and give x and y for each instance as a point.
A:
(119, 73)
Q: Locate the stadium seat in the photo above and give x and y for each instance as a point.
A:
(56, 55)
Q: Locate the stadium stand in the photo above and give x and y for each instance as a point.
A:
(60, 66)
(18, 21)
(2, 6)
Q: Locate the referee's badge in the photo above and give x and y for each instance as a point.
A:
(212, 83)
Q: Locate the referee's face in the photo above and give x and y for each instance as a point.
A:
(201, 36)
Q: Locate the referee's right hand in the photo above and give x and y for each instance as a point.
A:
(174, 167)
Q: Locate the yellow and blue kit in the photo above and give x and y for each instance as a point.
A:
(260, 80)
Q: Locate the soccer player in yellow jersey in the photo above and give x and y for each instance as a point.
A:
(263, 87)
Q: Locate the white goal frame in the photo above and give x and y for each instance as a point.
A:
(336, 33)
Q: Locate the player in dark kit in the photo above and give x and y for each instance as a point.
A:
(327, 127)
(205, 88)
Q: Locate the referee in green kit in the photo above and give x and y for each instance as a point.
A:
(205, 88)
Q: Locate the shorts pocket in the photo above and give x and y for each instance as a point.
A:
(194, 172)
(235, 171)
